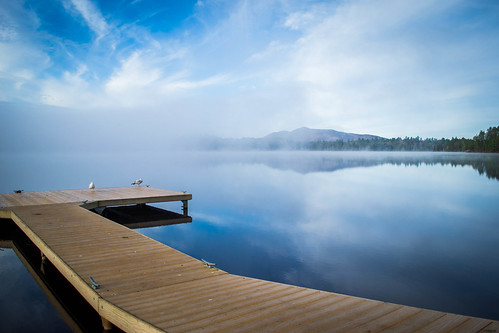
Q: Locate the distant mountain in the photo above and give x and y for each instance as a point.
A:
(304, 135)
(331, 140)
(297, 139)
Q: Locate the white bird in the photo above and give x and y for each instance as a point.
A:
(91, 186)
(137, 182)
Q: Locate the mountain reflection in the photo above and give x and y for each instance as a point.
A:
(307, 162)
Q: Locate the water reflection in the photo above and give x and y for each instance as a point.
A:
(417, 230)
(413, 228)
(306, 161)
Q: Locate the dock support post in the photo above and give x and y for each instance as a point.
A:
(106, 324)
(185, 207)
(43, 262)
(44, 258)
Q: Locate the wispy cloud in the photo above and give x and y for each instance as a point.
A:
(134, 73)
(68, 90)
(155, 77)
(91, 15)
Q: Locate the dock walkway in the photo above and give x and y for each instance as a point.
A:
(146, 286)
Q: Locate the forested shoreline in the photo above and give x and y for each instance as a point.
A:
(482, 142)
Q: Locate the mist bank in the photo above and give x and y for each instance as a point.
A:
(331, 140)
(34, 128)
(42, 128)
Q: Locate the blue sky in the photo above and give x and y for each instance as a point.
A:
(247, 68)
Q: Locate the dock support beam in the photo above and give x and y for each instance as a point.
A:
(106, 324)
(185, 207)
(43, 262)
(44, 258)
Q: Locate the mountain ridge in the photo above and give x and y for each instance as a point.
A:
(305, 134)
(327, 139)
(295, 139)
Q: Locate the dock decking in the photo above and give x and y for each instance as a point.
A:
(146, 286)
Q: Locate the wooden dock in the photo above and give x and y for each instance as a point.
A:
(146, 286)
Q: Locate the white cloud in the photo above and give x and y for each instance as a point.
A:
(7, 33)
(92, 17)
(296, 21)
(17, 79)
(21, 57)
(149, 78)
(134, 73)
(71, 90)
(211, 219)
(175, 85)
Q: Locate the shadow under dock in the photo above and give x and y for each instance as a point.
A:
(142, 216)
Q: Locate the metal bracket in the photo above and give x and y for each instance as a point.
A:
(208, 264)
(95, 285)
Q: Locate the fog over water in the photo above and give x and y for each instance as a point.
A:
(419, 229)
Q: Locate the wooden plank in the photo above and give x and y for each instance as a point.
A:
(235, 319)
(125, 320)
(10, 199)
(200, 286)
(283, 313)
(367, 316)
(4, 214)
(317, 310)
(417, 322)
(215, 286)
(472, 325)
(151, 279)
(493, 327)
(216, 311)
(136, 248)
(446, 323)
(389, 320)
(331, 320)
(103, 262)
(198, 305)
(98, 197)
(256, 321)
(156, 272)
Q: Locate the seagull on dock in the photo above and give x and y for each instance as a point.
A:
(137, 182)
(91, 186)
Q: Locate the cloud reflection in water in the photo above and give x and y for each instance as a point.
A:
(417, 229)
(411, 233)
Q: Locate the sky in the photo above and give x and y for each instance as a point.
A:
(155, 71)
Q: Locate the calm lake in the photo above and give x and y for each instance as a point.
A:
(418, 229)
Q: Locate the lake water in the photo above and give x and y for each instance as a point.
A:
(418, 229)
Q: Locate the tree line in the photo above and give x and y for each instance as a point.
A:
(482, 142)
